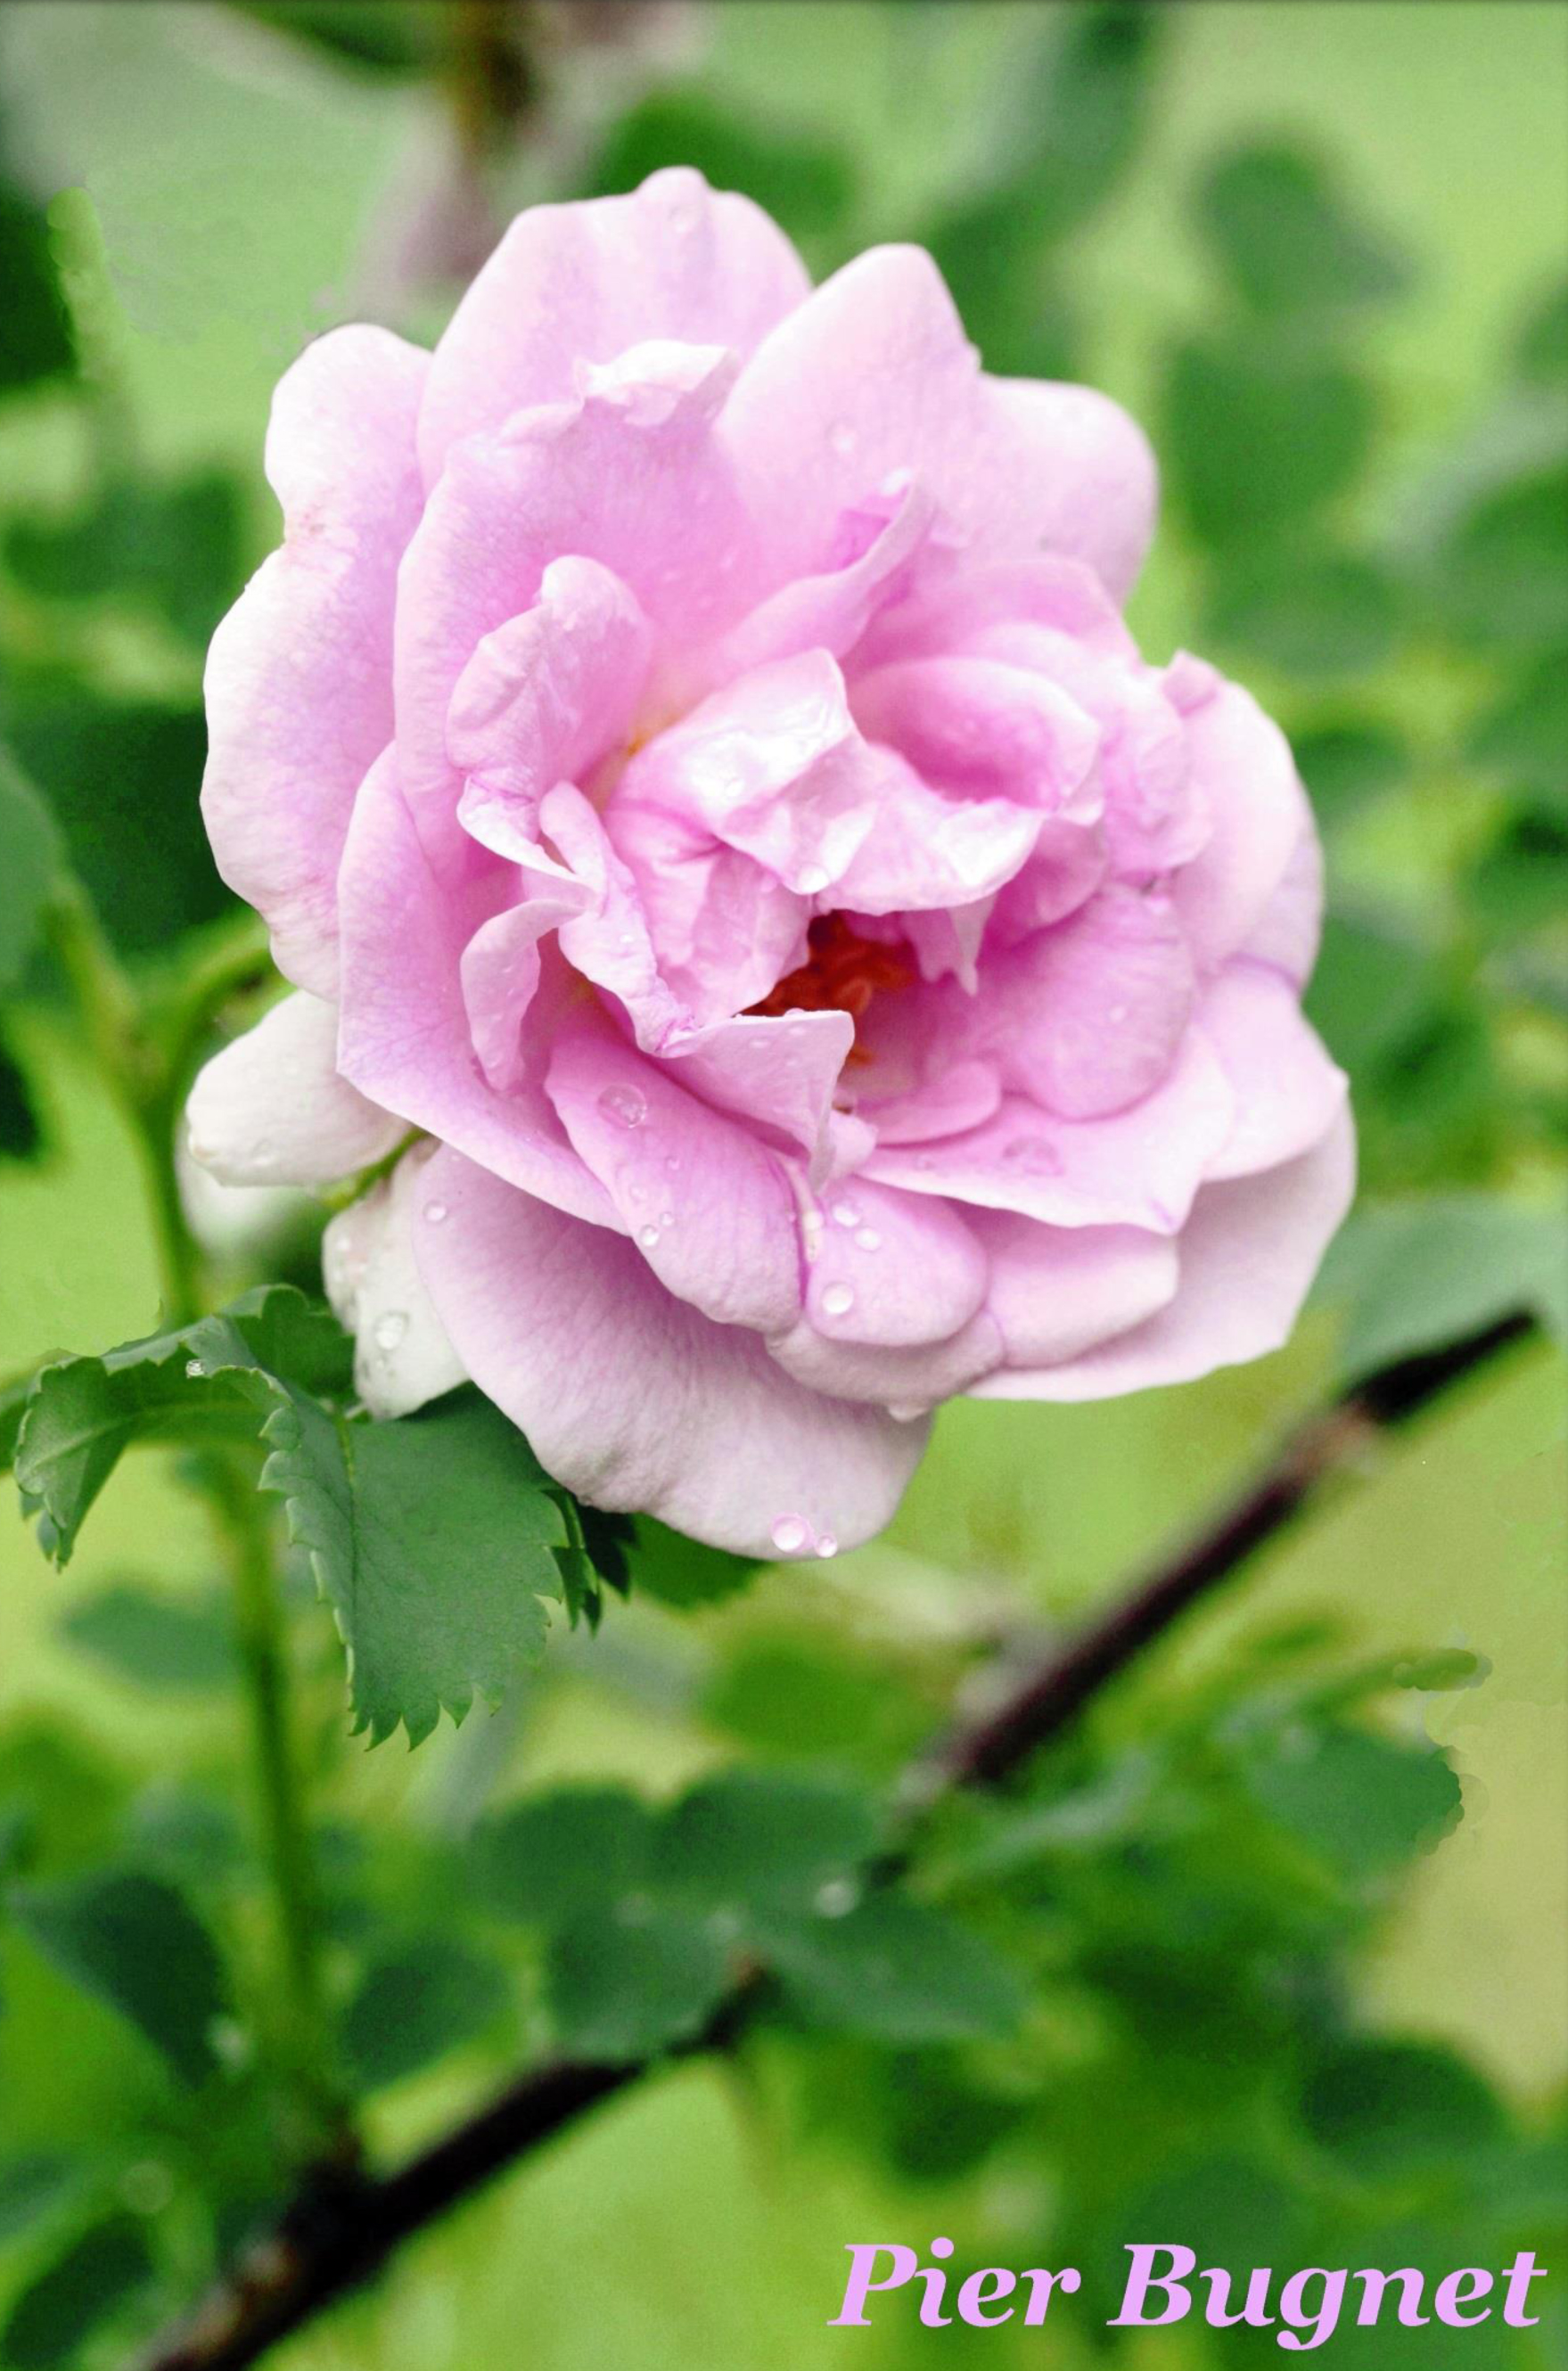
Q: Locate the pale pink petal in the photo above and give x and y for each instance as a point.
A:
(610, 942)
(1242, 766)
(549, 694)
(831, 611)
(924, 851)
(500, 970)
(402, 1357)
(1156, 816)
(723, 928)
(906, 1382)
(298, 677)
(954, 1100)
(1288, 1092)
(1287, 931)
(1086, 1018)
(1140, 1168)
(1069, 863)
(891, 1268)
(271, 1110)
(874, 374)
(1055, 1292)
(707, 1205)
(979, 725)
(632, 1398)
(584, 281)
(1248, 1256)
(627, 474)
(980, 607)
(404, 1035)
(779, 1071)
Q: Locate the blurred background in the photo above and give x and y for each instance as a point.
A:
(1299, 1980)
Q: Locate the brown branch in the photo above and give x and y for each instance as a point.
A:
(342, 2229)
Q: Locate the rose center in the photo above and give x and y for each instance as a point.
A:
(841, 973)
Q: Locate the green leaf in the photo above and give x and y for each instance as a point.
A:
(1259, 435)
(1310, 613)
(546, 1858)
(897, 1970)
(1371, 990)
(1500, 575)
(31, 2188)
(1390, 2110)
(401, 38)
(434, 1540)
(682, 1572)
(1288, 241)
(1525, 737)
(1069, 117)
(748, 1839)
(1363, 1802)
(101, 2271)
(415, 2004)
(179, 547)
(155, 1642)
(21, 1129)
(1519, 882)
(1348, 766)
(134, 1942)
(1542, 352)
(31, 860)
(1414, 1277)
(628, 1980)
(37, 345)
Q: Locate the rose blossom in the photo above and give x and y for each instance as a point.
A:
(691, 759)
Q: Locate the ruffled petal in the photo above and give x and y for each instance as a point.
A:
(977, 725)
(584, 281)
(706, 1204)
(1242, 766)
(298, 677)
(1247, 1256)
(1055, 1292)
(1138, 1168)
(906, 1382)
(402, 1355)
(1288, 1092)
(271, 1109)
(889, 1268)
(405, 1031)
(632, 1398)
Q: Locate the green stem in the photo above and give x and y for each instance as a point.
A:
(302, 2024)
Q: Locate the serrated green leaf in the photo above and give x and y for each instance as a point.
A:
(134, 1942)
(752, 1839)
(31, 854)
(434, 1539)
(414, 2005)
(545, 1860)
(156, 1642)
(1413, 1276)
(1288, 241)
(627, 1980)
(682, 1572)
(897, 1970)
(100, 2272)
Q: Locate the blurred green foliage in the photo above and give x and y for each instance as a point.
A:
(1133, 1991)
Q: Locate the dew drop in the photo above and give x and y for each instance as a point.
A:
(666, 1218)
(389, 1329)
(905, 1411)
(827, 1546)
(1033, 1156)
(648, 1237)
(435, 1214)
(837, 1301)
(813, 880)
(867, 1238)
(194, 1369)
(841, 438)
(627, 1106)
(790, 1534)
(846, 1214)
(837, 1898)
(672, 1162)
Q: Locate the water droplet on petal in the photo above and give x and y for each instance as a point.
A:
(905, 1411)
(837, 1301)
(827, 1546)
(648, 1237)
(672, 1162)
(846, 1214)
(841, 438)
(867, 1238)
(627, 1106)
(389, 1329)
(666, 1218)
(790, 1534)
(1033, 1156)
(813, 881)
(434, 1212)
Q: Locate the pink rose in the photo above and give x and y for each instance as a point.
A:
(691, 758)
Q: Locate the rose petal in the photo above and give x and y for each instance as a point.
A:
(402, 1357)
(271, 1109)
(298, 677)
(1243, 768)
(889, 1268)
(1055, 1292)
(1288, 1092)
(632, 1398)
